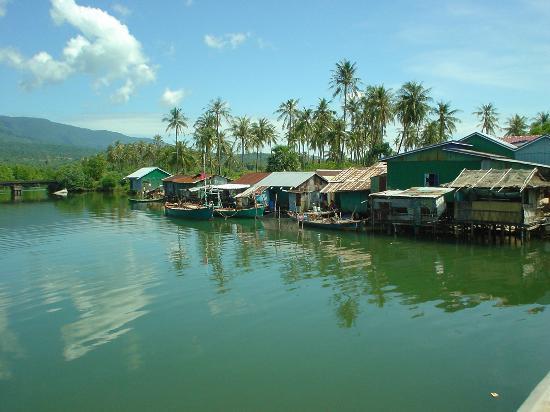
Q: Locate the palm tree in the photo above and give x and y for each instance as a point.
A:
(177, 122)
(379, 111)
(220, 110)
(488, 117)
(263, 131)
(541, 118)
(446, 121)
(304, 129)
(288, 112)
(516, 125)
(323, 119)
(412, 108)
(344, 83)
(205, 135)
(242, 132)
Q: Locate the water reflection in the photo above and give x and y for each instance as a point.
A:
(106, 309)
(361, 269)
(10, 347)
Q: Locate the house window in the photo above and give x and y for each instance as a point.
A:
(298, 200)
(431, 179)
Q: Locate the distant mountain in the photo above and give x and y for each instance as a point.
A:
(30, 139)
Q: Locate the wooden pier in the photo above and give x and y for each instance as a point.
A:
(16, 186)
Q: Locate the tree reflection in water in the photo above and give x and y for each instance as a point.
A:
(362, 269)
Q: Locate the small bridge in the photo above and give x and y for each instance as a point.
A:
(17, 186)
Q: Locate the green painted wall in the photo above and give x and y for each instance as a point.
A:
(402, 175)
(347, 202)
(481, 144)
(154, 178)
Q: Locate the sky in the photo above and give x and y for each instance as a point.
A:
(122, 65)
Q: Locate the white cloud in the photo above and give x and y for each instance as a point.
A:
(481, 68)
(172, 98)
(3, 6)
(105, 50)
(214, 42)
(232, 40)
(121, 9)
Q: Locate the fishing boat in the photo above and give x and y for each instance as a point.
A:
(321, 221)
(150, 200)
(189, 211)
(250, 212)
(334, 224)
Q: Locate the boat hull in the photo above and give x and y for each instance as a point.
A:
(249, 213)
(146, 200)
(351, 225)
(200, 213)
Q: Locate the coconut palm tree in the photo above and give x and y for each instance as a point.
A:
(263, 131)
(177, 122)
(412, 109)
(516, 125)
(446, 121)
(488, 118)
(205, 135)
(541, 118)
(304, 129)
(242, 132)
(323, 117)
(288, 112)
(344, 83)
(220, 110)
(379, 111)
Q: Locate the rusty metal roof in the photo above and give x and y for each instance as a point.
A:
(187, 179)
(251, 178)
(354, 179)
(499, 178)
(429, 192)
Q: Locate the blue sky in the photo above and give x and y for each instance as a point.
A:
(121, 65)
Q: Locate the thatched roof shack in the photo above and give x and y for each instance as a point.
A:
(416, 206)
(499, 196)
(350, 188)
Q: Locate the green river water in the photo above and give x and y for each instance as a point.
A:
(106, 306)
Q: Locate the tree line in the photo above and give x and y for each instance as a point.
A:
(312, 137)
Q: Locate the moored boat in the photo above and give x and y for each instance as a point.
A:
(250, 213)
(340, 224)
(314, 220)
(151, 200)
(189, 211)
(62, 192)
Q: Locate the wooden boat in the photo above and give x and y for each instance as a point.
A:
(62, 192)
(249, 213)
(340, 224)
(151, 200)
(334, 222)
(189, 211)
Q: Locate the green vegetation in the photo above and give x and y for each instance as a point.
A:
(316, 137)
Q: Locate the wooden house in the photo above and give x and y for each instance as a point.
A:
(484, 143)
(417, 206)
(147, 178)
(350, 188)
(288, 191)
(535, 151)
(178, 186)
(502, 197)
(442, 162)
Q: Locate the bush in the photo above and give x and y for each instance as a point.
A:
(109, 182)
(73, 178)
